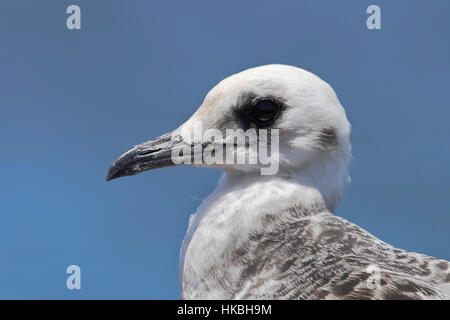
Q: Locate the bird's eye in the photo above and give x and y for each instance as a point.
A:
(265, 111)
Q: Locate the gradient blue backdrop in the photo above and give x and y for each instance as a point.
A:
(71, 101)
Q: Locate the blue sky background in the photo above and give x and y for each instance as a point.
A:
(72, 101)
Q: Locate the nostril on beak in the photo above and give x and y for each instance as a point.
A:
(146, 152)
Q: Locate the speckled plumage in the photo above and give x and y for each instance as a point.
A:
(312, 254)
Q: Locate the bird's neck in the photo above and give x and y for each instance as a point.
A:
(319, 183)
(241, 204)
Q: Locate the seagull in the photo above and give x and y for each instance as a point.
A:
(275, 236)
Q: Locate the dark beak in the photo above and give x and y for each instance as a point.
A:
(149, 155)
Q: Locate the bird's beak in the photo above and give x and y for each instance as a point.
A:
(149, 155)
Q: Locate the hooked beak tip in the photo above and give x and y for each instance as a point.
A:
(112, 173)
(146, 156)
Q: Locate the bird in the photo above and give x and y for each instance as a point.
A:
(276, 236)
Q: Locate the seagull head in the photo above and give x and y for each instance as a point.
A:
(295, 113)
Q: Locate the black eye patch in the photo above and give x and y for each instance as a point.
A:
(258, 112)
